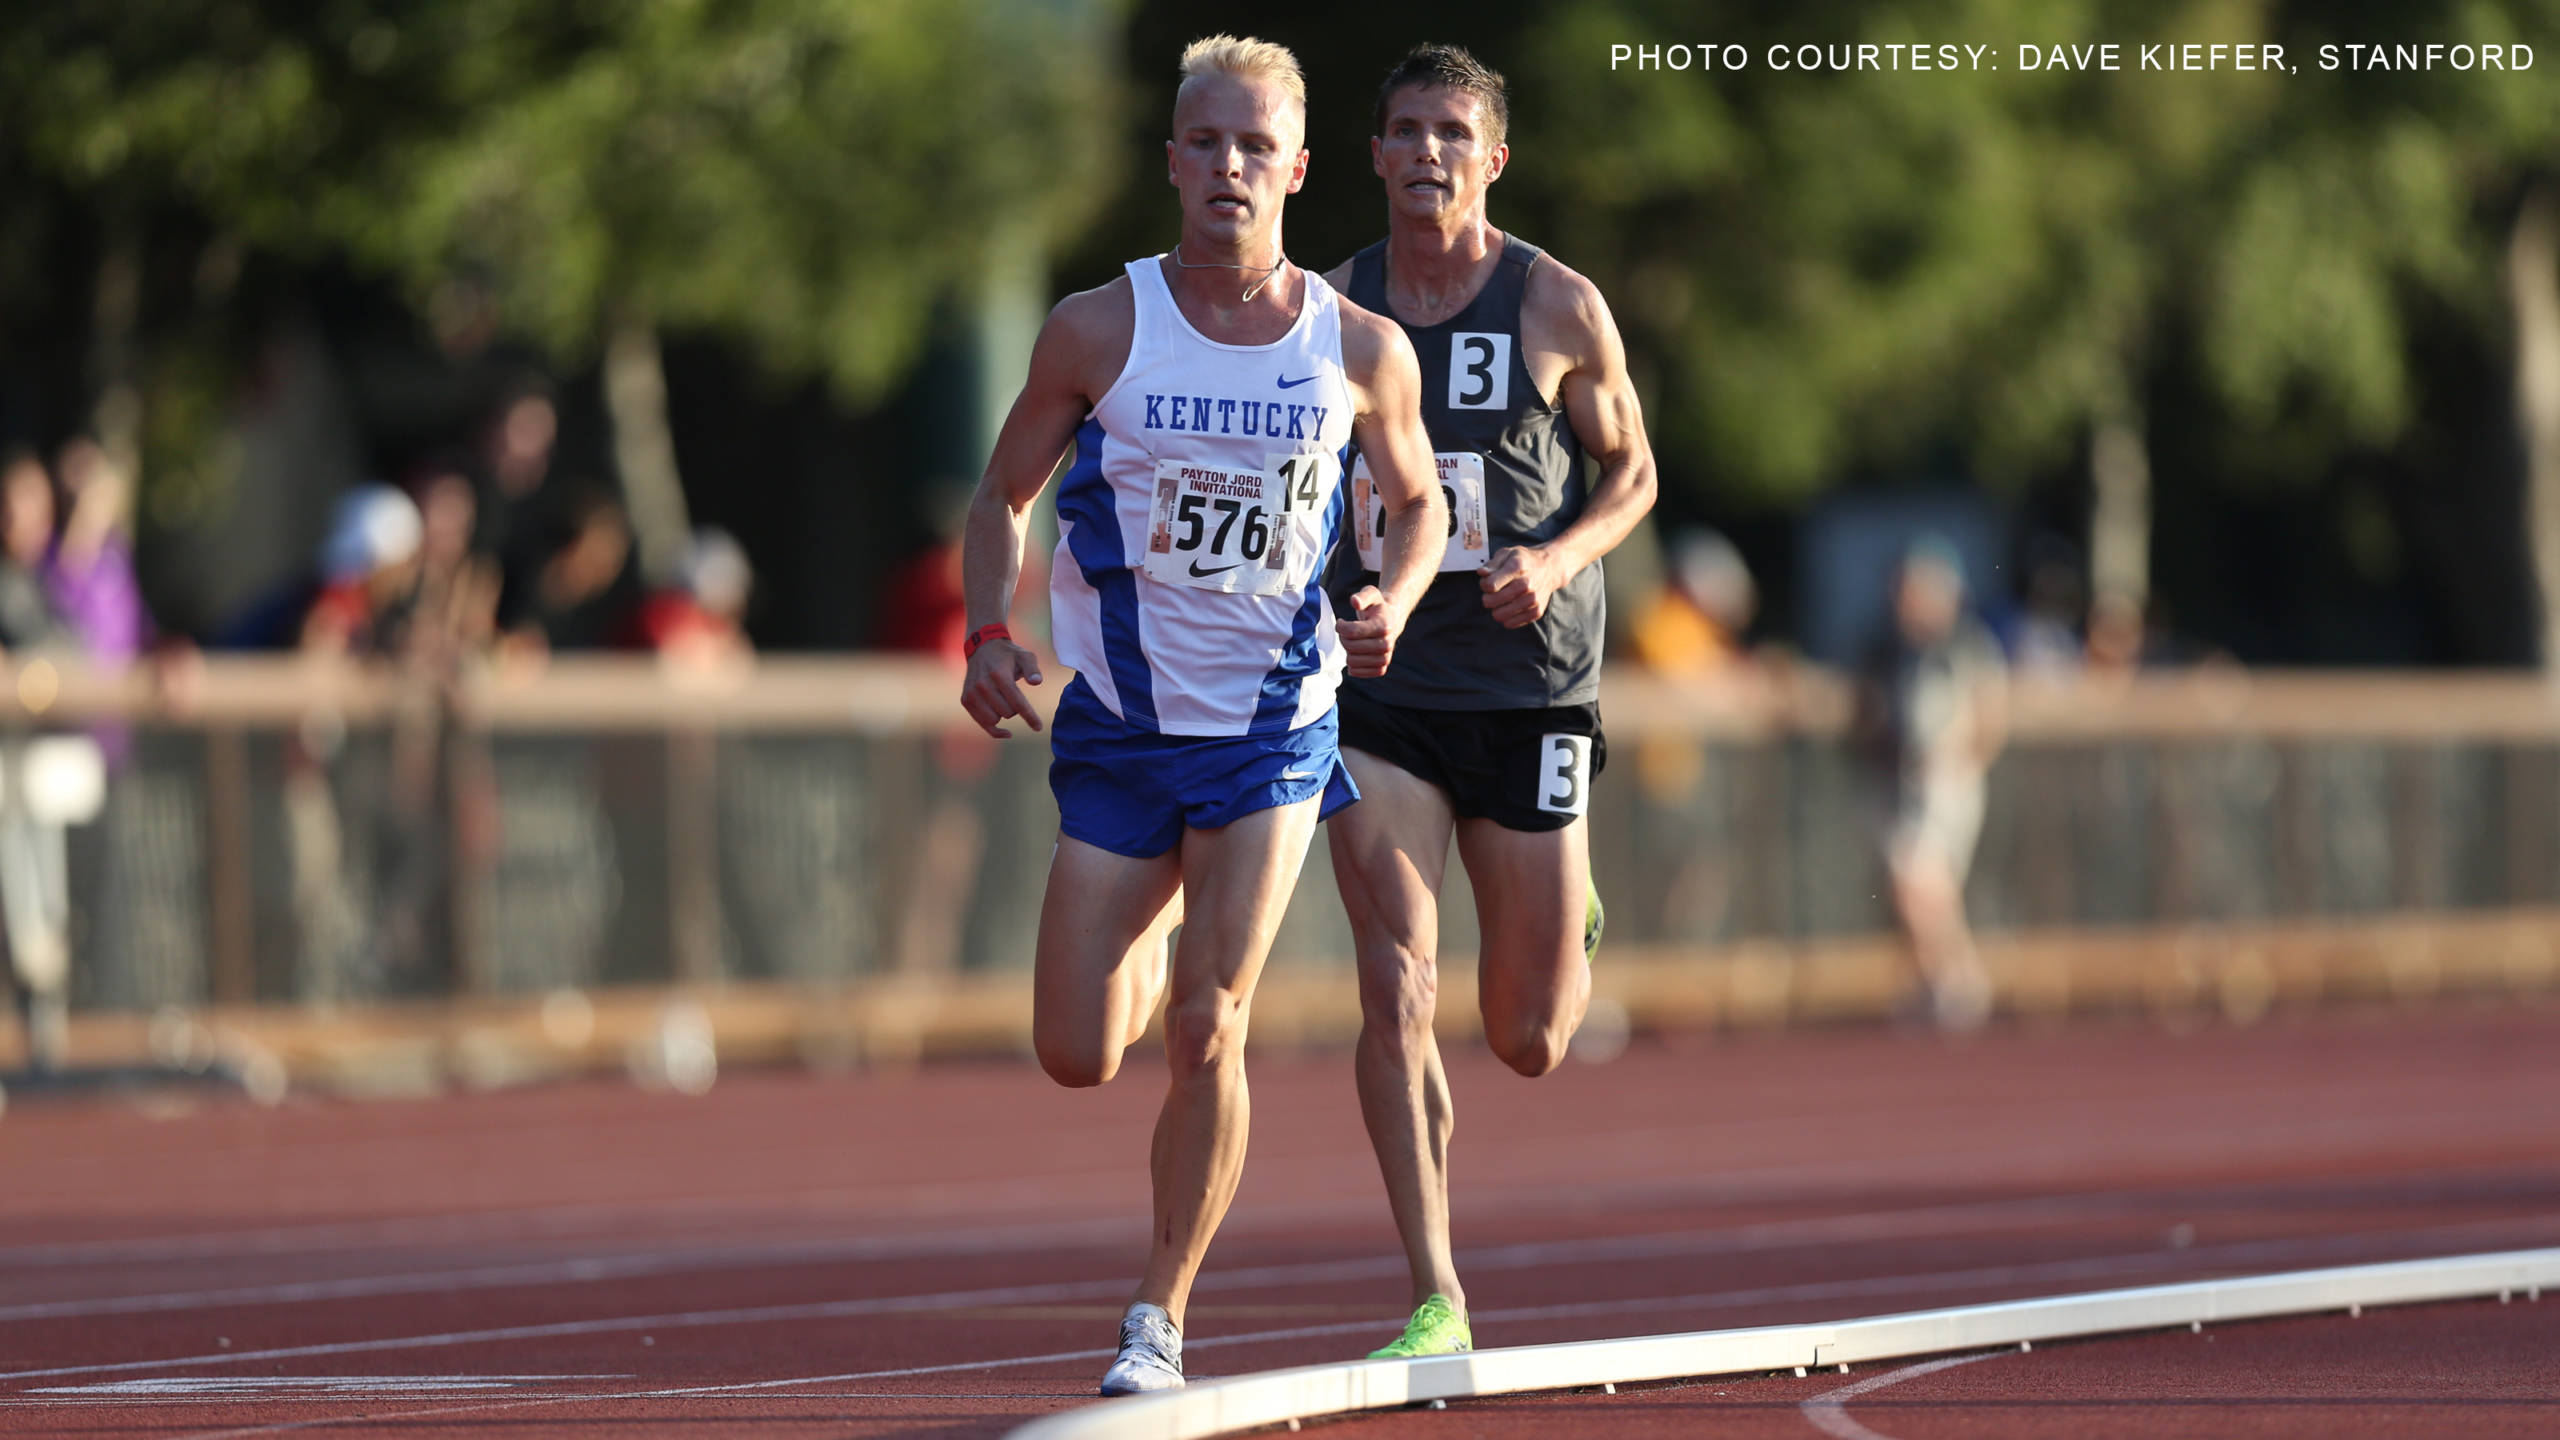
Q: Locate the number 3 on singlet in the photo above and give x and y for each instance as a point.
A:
(1479, 371)
(1564, 774)
(1237, 531)
(1461, 486)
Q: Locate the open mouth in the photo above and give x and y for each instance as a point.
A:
(1426, 187)
(1228, 203)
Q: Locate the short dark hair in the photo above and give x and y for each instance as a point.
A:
(1450, 67)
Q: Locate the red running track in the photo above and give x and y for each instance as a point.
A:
(944, 1252)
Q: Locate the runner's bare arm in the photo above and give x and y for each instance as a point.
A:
(1563, 313)
(1386, 386)
(1083, 345)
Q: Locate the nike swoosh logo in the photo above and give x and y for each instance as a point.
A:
(1199, 574)
(1295, 775)
(1288, 384)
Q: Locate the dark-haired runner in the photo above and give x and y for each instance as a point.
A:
(1488, 727)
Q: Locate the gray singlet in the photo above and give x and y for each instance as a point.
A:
(1453, 655)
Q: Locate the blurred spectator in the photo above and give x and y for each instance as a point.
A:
(368, 574)
(700, 623)
(515, 459)
(1691, 628)
(1930, 718)
(441, 803)
(90, 573)
(577, 593)
(455, 610)
(1694, 624)
(50, 782)
(366, 570)
(924, 611)
(2045, 640)
(2115, 634)
(360, 604)
(2126, 636)
(28, 620)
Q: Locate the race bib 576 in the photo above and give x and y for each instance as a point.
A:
(1238, 531)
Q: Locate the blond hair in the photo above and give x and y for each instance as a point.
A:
(1245, 58)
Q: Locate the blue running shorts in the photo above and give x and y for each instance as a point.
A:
(1133, 792)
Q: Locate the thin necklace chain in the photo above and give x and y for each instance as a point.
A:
(1267, 270)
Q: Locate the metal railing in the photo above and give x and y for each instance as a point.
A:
(326, 834)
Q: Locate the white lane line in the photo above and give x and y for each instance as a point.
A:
(942, 1197)
(1823, 1415)
(683, 1320)
(1940, 1219)
(1828, 1412)
(754, 1390)
(2005, 1215)
(751, 1390)
(1946, 1219)
(1939, 1280)
(2201, 1258)
(1258, 1337)
(937, 1197)
(1943, 1280)
(1522, 1257)
(278, 1386)
(593, 1269)
(948, 1198)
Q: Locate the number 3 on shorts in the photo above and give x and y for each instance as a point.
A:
(1564, 775)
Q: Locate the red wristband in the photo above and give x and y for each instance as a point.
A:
(981, 636)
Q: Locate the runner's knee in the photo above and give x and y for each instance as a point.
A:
(1076, 1061)
(1528, 1045)
(1204, 1029)
(1529, 1026)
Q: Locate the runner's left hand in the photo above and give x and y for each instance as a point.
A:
(1518, 582)
(1369, 639)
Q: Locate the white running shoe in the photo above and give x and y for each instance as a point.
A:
(1150, 1353)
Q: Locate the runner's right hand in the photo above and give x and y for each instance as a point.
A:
(989, 694)
(1369, 637)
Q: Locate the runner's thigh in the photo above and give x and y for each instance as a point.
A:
(1390, 853)
(1098, 906)
(1236, 882)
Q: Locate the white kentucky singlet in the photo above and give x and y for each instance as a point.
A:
(1195, 523)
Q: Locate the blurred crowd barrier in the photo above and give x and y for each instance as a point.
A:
(314, 833)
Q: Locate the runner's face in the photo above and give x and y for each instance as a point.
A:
(1437, 156)
(1236, 154)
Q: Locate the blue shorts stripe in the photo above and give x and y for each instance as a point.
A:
(1085, 502)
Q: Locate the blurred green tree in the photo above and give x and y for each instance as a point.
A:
(2512, 139)
(812, 177)
(1834, 270)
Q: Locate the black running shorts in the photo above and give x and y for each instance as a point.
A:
(1521, 769)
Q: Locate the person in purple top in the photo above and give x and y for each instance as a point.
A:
(89, 574)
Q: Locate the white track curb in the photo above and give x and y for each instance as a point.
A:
(1219, 1407)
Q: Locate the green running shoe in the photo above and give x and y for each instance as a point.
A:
(1435, 1329)
(1595, 917)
